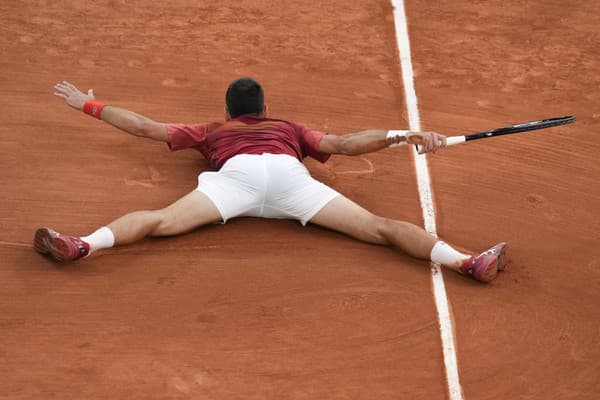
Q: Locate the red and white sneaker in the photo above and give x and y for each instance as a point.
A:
(60, 247)
(485, 266)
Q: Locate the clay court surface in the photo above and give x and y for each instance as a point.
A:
(259, 309)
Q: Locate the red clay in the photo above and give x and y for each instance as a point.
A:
(533, 333)
(253, 309)
(267, 309)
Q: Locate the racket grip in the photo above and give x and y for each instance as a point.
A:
(452, 140)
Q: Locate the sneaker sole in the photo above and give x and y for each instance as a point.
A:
(42, 241)
(48, 244)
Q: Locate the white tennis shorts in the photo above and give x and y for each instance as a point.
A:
(267, 186)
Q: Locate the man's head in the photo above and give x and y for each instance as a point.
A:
(244, 96)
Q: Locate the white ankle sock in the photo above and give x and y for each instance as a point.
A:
(103, 238)
(442, 253)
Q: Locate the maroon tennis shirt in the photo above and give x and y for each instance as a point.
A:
(248, 134)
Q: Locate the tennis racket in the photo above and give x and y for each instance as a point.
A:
(509, 130)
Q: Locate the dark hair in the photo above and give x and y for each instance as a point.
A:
(245, 96)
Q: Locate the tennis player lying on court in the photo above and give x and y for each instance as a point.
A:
(259, 173)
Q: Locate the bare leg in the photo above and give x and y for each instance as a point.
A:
(343, 215)
(189, 212)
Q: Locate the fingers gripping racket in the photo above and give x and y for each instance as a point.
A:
(508, 130)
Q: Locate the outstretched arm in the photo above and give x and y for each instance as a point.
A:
(125, 120)
(372, 140)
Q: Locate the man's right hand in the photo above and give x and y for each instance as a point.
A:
(73, 96)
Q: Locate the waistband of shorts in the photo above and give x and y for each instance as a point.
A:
(285, 157)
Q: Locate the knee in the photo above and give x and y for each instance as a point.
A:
(385, 228)
(164, 224)
(378, 230)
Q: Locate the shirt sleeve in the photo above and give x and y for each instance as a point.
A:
(185, 136)
(309, 143)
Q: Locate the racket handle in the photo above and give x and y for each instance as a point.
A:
(452, 140)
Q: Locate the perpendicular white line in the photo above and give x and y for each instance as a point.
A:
(426, 198)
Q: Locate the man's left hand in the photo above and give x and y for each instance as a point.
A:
(427, 141)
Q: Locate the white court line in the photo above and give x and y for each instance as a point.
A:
(424, 184)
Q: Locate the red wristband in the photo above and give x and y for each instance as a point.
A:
(93, 108)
